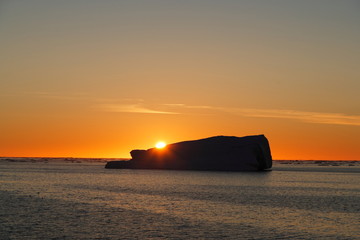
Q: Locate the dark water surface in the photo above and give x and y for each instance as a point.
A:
(64, 200)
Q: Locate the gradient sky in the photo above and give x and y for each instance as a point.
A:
(86, 78)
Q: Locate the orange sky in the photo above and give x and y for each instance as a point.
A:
(100, 78)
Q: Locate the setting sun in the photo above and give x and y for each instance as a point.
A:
(160, 145)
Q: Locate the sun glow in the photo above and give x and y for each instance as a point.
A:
(160, 145)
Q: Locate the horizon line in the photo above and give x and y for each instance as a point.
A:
(352, 160)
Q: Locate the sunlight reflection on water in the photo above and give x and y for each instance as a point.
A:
(86, 201)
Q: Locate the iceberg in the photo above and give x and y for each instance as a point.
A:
(219, 153)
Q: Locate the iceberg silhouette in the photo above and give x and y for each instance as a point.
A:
(219, 153)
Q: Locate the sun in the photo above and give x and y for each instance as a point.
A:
(160, 145)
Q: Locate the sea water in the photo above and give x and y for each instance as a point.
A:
(83, 200)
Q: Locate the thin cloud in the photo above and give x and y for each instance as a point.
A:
(181, 105)
(311, 117)
(58, 96)
(304, 116)
(180, 108)
(130, 108)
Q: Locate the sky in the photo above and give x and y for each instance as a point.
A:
(87, 78)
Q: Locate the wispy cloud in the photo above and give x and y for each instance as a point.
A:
(179, 108)
(58, 96)
(311, 117)
(125, 107)
(181, 105)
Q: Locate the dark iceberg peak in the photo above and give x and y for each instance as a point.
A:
(219, 153)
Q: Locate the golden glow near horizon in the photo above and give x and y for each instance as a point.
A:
(160, 145)
(103, 79)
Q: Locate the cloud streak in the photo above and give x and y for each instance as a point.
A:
(304, 116)
(130, 108)
(179, 108)
(58, 96)
(311, 117)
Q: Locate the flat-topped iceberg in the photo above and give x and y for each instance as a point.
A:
(220, 153)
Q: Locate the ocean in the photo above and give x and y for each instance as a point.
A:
(80, 199)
